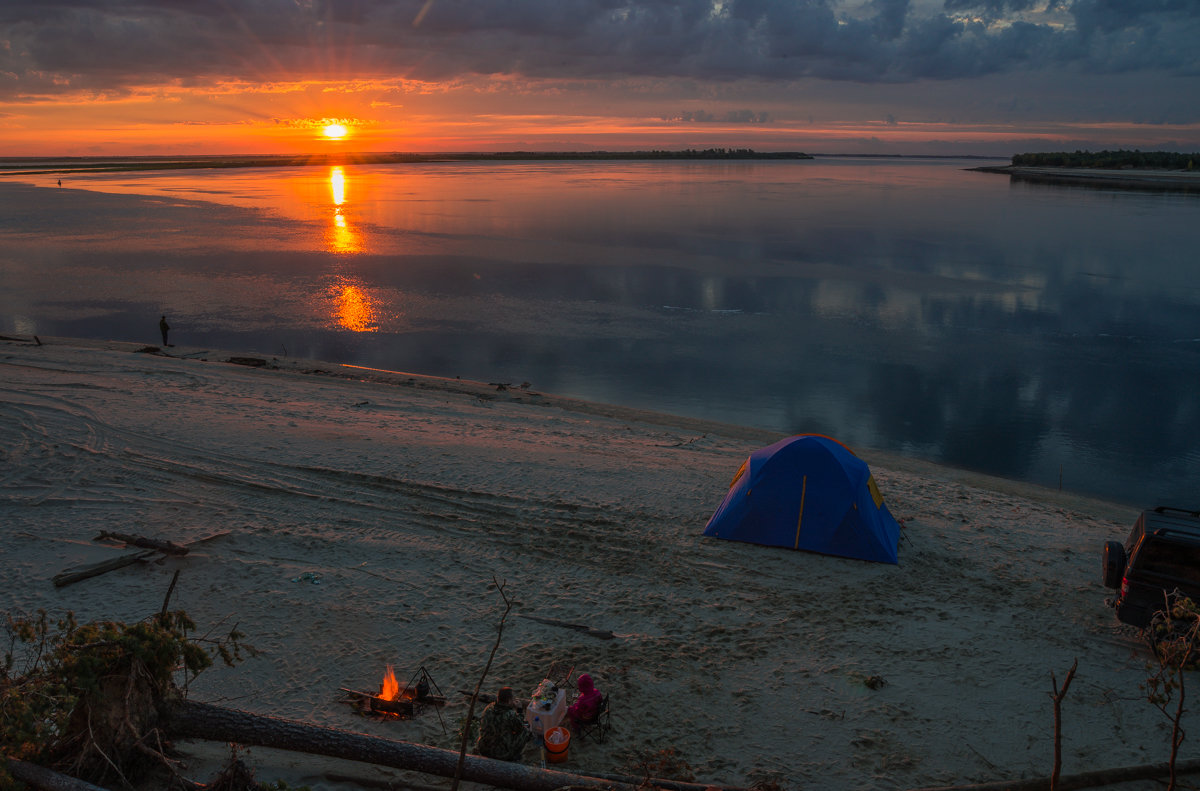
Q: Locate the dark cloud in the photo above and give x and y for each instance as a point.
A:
(54, 46)
(889, 19)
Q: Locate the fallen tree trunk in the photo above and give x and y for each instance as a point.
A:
(192, 720)
(603, 634)
(165, 547)
(72, 575)
(78, 573)
(44, 779)
(1100, 777)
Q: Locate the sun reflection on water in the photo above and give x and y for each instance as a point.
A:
(353, 308)
(341, 237)
(337, 185)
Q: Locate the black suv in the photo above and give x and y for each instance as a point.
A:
(1161, 555)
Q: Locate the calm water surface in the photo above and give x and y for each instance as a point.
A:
(909, 305)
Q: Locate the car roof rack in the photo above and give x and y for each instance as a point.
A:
(1165, 521)
(1162, 509)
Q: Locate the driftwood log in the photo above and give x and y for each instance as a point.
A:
(1100, 777)
(602, 634)
(192, 720)
(44, 779)
(165, 547)
(77, 573)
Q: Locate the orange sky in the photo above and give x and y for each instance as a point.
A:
(147, 77)
(289, 119)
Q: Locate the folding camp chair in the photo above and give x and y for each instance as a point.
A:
(599, 725)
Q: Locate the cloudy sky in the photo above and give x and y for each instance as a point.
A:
(993, 77)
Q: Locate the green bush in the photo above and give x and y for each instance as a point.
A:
(84, 698)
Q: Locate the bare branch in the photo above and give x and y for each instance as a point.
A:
(1057, 696)
(466, 729)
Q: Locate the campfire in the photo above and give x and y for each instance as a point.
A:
(393, 699)
(389, 688)
(396, 700)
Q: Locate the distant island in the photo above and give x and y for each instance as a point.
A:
(30, 165)
(1110, 160)
(1142, 170)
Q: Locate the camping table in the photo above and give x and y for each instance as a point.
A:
(548, 714)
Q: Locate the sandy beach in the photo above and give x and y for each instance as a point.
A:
(369, 513)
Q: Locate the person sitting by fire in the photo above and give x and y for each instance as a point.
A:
(502, 732)
(587, 705)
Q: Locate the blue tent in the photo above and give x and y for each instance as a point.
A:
(808, 492)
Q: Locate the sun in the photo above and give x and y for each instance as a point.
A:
(335, 131)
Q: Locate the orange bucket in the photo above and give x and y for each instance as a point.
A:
(557, 741)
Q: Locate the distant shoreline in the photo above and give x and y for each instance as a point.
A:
(1162, 180)
(42, 165)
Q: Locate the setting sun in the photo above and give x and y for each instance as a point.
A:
(334, 131)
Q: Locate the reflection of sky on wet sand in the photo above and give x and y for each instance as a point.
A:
(909, 306)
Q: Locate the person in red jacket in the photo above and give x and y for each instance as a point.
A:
(587, 705)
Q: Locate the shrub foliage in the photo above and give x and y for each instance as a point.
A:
(85, 698)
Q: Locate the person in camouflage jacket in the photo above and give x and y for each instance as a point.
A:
(502, 732)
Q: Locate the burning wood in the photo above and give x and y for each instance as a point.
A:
(385, 707)
(402, 707)
(393, 698)
(396, 700)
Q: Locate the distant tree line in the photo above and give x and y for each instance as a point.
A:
(29, 165)
(1111, 160)
(687, 153)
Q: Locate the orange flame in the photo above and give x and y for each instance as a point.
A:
(390, 688)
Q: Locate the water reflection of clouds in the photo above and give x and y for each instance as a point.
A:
(1012, 337)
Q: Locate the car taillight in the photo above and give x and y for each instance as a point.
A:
(1124, 587)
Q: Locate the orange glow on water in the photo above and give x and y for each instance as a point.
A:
(342, 237)
(354, 309)
(337, 185)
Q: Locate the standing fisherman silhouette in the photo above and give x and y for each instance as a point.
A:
(163, 327)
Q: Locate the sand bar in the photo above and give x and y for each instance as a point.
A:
(1126, 178)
